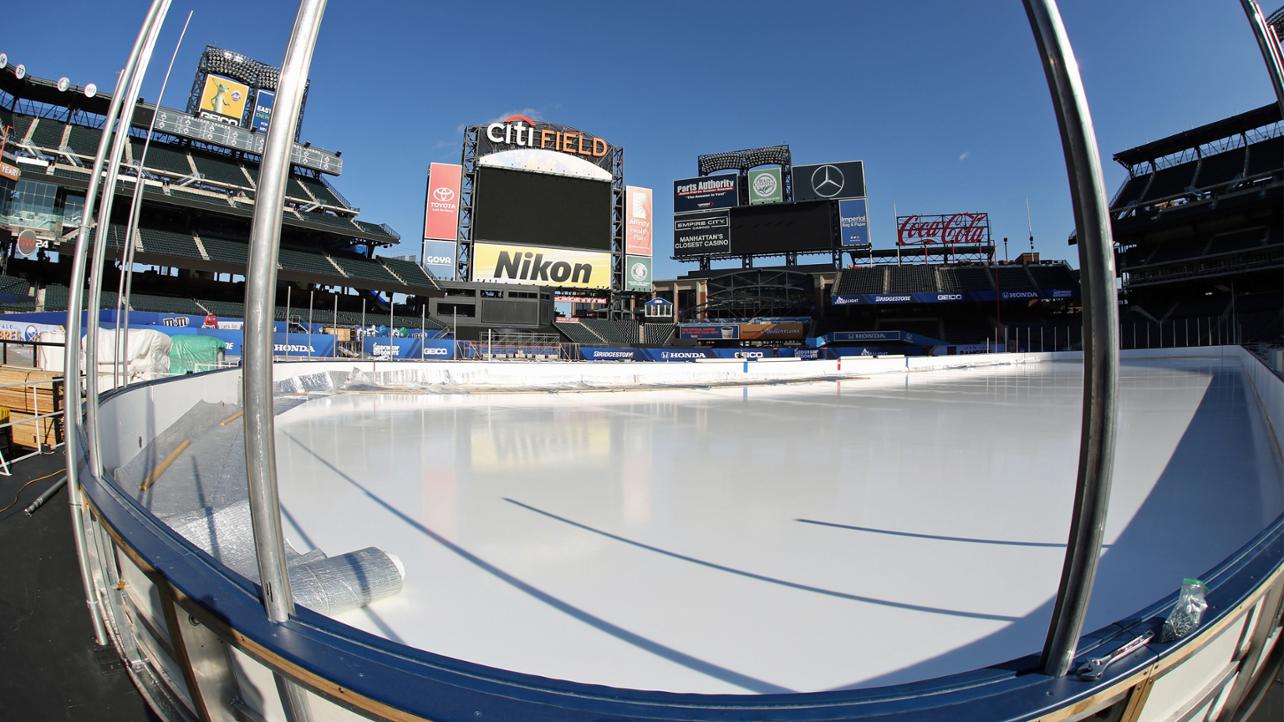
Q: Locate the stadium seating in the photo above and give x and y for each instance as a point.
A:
(861, 280)
(1131, 192)
(169, 243)
(294, 189)
(1265, 157)
(1053, 276)
(407, 271)
(48, 133)
(307, 262)
(581, 334)
(322, 192)
(1014, 278)
(1171, 181)
(1214, 170)
(911, 279)
(21, 124)
(83, 140)
(966, 278)
(219, 169)
(1234, 241)
(342, 225)
(362, 268)
(1171, 251)
(613, 331)
(224, 250)
(657, 334)
(162, 157)
(161, 304)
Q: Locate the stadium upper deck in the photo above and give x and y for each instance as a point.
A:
(197, 203)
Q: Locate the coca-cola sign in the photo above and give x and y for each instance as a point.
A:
(946, 229)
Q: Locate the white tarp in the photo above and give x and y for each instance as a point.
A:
(146, 354)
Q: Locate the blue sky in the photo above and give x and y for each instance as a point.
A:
(945, 101)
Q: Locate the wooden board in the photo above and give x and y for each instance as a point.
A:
(24, 402)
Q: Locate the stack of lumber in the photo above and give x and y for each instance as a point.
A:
(27, 392)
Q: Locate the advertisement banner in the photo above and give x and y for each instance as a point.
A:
(441, 207)
(853, 222)
(224, 99)
(439, 259)
(561, 267)
(637, 273)
(943, 228)
(593, 353)
(263, 102)
(826, 181)
(765, 186)
(637, 221)
(705, 193)
(696, 234)
(12, 172)
(710, 331)
(777, 331)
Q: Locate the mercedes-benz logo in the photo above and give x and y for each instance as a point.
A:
(827, 181)
(443, 195)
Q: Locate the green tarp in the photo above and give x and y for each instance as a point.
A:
(193, 353)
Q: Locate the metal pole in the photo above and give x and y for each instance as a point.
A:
(95, 270)
(1100, 337)
(310, 293)
(1270, 47)
(75, 304)
(423, 329)
(363, 327)
(126, 282)
(287, 316)
(260, 289)
(392, 346)
(334, 328)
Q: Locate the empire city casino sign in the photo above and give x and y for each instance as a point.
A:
(519, 131)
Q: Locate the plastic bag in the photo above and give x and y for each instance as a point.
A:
(1188, 612)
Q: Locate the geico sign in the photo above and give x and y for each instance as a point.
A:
(521, 131)
(430, 351)
(541, 266)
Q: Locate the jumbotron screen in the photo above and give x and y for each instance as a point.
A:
(782, 228)
(541, 210)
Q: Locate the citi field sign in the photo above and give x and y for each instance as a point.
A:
(519, 131)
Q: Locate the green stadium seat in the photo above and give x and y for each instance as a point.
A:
(48, 133)
(408, 271)
(225, 251)
(306, 262)
(221, 169)
(84, 141)
(362, 268)
(321, 191)
(169, 243)
(162, 157)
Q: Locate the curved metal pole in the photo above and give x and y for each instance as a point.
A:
(75, 301)
(260, 292)
(126, 283)
(1100, 335)
(1269, 44)
(128, 104)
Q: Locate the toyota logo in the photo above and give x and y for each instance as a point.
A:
(443, 195)
(827, 181)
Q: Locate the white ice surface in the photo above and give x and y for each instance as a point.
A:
(802, 537)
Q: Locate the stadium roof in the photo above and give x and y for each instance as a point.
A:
(1196, 137)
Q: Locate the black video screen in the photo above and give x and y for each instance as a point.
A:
(782, 228)
(541, 210)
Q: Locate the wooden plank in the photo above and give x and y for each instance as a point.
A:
(164, 465)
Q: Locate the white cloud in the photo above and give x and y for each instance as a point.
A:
(963, 156)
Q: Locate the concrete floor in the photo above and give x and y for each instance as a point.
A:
(791, 538)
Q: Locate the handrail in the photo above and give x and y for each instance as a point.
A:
(1100, 337)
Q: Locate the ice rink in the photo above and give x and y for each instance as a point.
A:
(797, 537)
